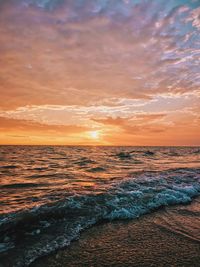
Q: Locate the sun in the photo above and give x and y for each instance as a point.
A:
(94, 135)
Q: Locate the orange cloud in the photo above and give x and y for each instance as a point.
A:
(68, 67)
(25, 125)
(24, 131)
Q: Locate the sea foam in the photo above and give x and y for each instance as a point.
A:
(46, 228)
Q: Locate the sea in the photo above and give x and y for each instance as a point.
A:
(50, 194)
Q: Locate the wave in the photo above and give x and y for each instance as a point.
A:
(85, 161)
(22, 185)
(8, 167)
(197, 151)
(124, 155)
(129, 154)
(97, 169)
(43, 229)
(149, 153)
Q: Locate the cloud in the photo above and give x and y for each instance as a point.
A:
(17, 125)
(159, 109)
(150, 117)
(136, 119)
(135, 126)
(77, 52)
(111, 121)
(132, 64)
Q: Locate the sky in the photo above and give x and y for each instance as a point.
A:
(100, 72)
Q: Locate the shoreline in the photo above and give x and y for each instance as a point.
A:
(147, 241)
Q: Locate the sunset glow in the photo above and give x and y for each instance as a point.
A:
(129, 69)
(94, 134)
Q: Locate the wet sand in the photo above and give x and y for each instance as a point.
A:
(168, 237)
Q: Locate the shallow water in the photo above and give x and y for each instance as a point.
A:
(146, 241)
(49, 194)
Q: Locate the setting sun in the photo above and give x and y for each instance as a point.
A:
(94, 134)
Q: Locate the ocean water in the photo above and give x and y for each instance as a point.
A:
(49, 194)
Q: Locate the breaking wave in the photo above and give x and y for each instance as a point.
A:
(32, 233)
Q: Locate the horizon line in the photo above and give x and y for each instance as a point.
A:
(100, 145)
